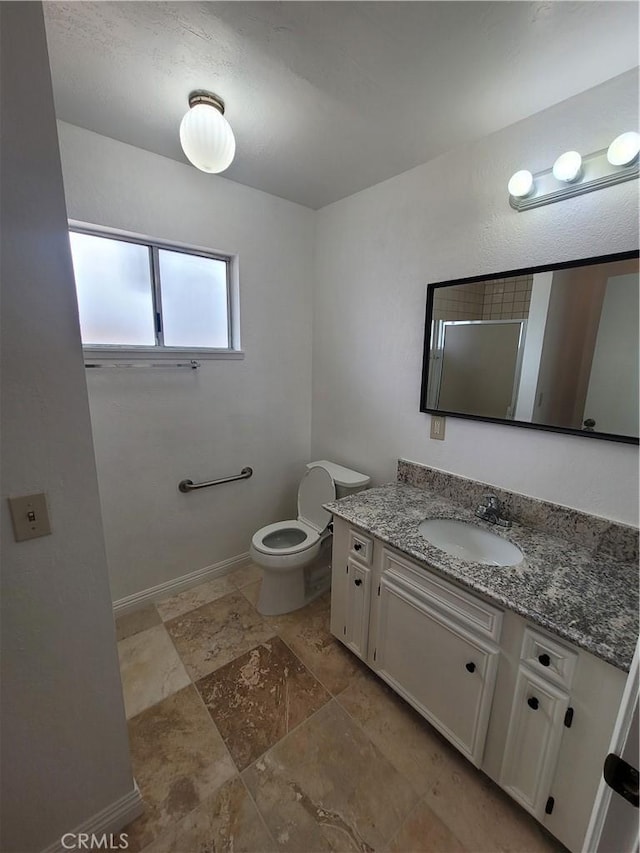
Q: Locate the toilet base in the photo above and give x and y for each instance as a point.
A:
(283, 591)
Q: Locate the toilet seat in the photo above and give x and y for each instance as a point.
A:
(294, 537)
(310, 537)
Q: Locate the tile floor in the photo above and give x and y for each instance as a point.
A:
(261, 734)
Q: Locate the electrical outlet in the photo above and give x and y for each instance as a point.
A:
(30, 517)
(437, 427)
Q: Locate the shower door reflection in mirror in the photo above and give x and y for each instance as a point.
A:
(552, 347)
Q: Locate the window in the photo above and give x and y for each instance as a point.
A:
(134, 295)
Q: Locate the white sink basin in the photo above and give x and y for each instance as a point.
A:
(468, 542)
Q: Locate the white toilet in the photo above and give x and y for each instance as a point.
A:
(295, 556)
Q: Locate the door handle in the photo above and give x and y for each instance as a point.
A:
(357, 581)
(622, 777)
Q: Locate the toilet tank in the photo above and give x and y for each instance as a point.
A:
(347, 481)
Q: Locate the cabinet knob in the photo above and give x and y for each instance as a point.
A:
(544, 659)
(533, 703)
(358, 581)
(470, 667)
(357, 546)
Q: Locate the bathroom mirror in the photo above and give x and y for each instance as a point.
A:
(552, 347)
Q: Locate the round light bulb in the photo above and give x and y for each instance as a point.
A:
(207, 138)
(520, 184)
(567, 167)
(624, 149)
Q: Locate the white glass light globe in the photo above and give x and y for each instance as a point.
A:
(567, 167)
(624, 149)
(207, 138)
(520, 184)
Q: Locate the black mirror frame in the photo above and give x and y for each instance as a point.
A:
(431, 288)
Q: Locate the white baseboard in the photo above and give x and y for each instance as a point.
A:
(109, 820)
(172, 587)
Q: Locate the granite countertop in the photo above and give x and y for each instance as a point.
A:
(589, 599)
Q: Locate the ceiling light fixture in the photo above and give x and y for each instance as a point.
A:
(574, 175)
(205, 134)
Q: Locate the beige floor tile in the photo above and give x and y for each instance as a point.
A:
(216, 633)
(424, 832)
(228, 822)
(176, 605)
(136, 621)
(327, 787)
(409, 742)
(150, 669)
(259, 697)
(292, 621)
(245, 575)
(483, 817)
(251, 592)
(307, 632)
(179, 760)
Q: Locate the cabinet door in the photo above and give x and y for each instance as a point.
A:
(358, 606)
(445, 672)
(533, 741)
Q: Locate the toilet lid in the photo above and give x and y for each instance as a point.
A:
(316, 488)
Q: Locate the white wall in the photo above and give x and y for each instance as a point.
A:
(612, 398)
(65, 751)
(377, 250)
(154, 428)
(534, 338)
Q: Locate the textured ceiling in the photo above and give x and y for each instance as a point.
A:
(327, 98)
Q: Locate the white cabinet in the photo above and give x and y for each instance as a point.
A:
(356, 634)
(435, 644)
(539, 715)
(443, 670)
(351, 588)
(498, 688)
(533, 741)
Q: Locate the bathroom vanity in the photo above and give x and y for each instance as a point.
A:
(521, 667)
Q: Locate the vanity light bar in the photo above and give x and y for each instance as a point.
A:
(572, 175)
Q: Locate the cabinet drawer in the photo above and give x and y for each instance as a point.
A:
(360, 547)
(465, 607)
(549, 658)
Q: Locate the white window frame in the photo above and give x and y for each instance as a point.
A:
(114, 352)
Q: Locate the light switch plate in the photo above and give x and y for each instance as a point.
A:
(437, 427)
(30, 516)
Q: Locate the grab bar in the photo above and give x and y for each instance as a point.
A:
(190, 486)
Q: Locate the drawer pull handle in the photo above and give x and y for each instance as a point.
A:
(470, 667)
(544, 659)
(358, 581)
(357, 546)
(533, 703)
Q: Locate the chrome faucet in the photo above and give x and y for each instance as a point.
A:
(491, 511)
